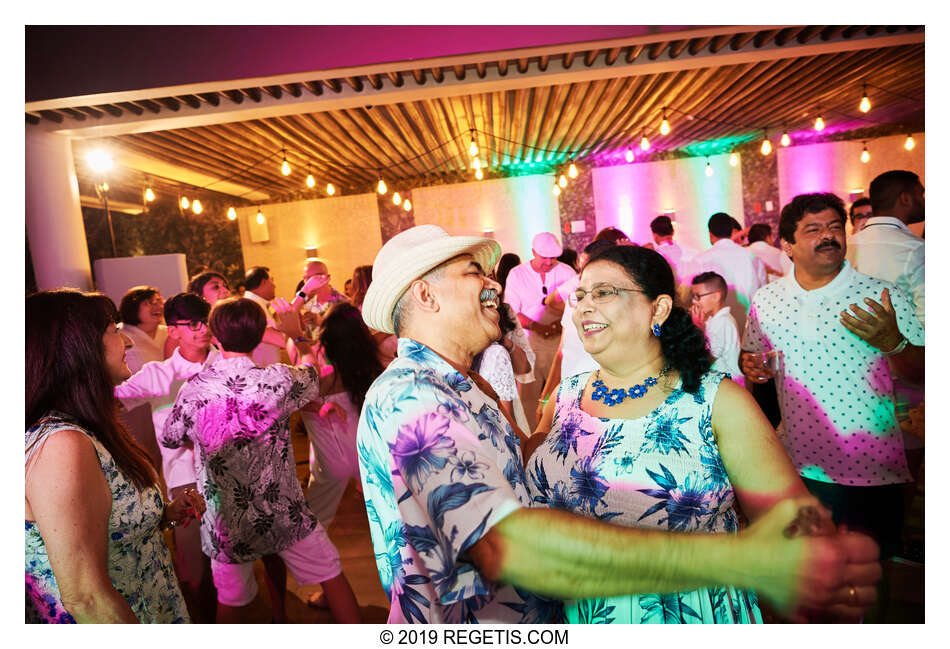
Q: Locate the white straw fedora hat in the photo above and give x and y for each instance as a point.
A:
(408, 256)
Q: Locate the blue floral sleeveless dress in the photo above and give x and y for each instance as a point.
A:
(139, 561)
(662, 471)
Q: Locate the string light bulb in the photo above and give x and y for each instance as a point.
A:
(644, 143)
(786, 140)
(196, 206)
(185, 203)
(478, 174)
(664, 125)
(734, 159)
(572, 170)
(766, 145)
(331, 190)
(397, 199)
(311, 182)
(285, 166)
(473, 147)
(406, 205)
(260, 217)
(819, 124)
(865, 156)
(381, 186)
(865, 104)
(557, 189)
(709, 169)
(909, 143)
(562, 181)
(149, 195)
(476, 163)
(232, 213)
(629, 155)
(105, 186)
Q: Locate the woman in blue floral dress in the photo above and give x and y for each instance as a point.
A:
(94, 552)
(653, 439)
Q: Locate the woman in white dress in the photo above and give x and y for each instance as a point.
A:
(143, 322)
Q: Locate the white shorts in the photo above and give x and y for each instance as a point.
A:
(311, 560)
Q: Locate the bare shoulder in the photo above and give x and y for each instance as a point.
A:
(64, 448)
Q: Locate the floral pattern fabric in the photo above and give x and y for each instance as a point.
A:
(138, 560)
(439, 466)
(662, 471)
(237, 417)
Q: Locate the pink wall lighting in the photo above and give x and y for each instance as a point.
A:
(630, 196)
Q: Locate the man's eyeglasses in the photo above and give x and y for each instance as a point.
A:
(193, 325)
(697, 296)
(599, 294)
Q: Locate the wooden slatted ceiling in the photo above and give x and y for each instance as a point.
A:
(580, 119)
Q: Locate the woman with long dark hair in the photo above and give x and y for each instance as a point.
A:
(352, 365)
(94, 552)
(653, 438)
(362, 278)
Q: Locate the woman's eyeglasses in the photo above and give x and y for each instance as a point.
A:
(193, 325)
(599, 294)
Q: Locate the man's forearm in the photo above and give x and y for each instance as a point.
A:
(576, 558)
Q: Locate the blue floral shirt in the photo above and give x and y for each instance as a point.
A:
(440, 466)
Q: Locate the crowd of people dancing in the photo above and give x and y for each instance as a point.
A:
(633, 432)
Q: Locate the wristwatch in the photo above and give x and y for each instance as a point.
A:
(302, 295)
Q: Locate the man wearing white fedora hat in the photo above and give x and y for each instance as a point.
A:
(454, 534)
(527, 287)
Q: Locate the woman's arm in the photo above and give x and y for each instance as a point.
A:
(755, 460)
(70, 501)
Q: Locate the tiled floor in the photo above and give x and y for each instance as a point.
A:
(350, 532)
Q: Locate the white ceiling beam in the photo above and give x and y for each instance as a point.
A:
(493, 81)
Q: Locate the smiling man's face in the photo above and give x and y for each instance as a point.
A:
(819, 247)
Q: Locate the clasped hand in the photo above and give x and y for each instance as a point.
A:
(185, 507)
(807, 566)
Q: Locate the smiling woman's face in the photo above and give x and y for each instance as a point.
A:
(619, 325)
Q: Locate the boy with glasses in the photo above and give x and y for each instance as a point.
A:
(714, 318)
(158, 382)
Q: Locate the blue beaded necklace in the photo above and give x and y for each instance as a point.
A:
(616, 396)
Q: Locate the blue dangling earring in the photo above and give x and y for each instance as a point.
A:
(657, 330)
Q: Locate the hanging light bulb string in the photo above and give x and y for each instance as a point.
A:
(553, 155)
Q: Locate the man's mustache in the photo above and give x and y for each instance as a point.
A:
(828, 244)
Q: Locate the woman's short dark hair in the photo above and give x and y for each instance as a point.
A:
(66, 372)
(351, 350)
(197, 283)
(132, 300)
(611, 234)
(807, 204)
(683, 344)
(238, 323)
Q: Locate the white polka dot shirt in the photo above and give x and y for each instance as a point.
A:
(835, 390)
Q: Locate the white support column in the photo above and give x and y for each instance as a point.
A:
(54, 224)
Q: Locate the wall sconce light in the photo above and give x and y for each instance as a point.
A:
(311, 253)
(488, 234)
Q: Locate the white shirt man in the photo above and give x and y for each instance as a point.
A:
(525, 289)
(676, 255)
(886, 248)
(743, 271)
(261, 290)
(834, 382)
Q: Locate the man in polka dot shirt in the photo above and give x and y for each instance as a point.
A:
(833, 362)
